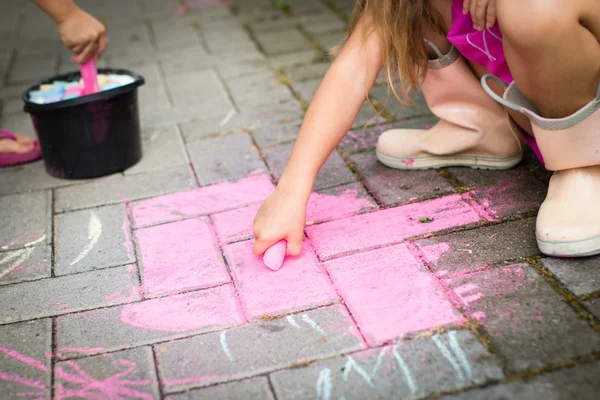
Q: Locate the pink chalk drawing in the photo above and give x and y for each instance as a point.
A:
(409, 163)
(75, 382)
(188, 312)
(127, 242)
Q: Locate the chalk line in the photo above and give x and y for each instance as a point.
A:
(407, 375)
(313, 324)
(94, 232)
(223, 339)
(324, 385)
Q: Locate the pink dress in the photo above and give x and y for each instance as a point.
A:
(483, 48)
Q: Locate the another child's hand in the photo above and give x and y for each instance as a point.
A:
(281, 217)
(483, 12)
(83, 34)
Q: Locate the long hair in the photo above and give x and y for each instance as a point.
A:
(402, 26)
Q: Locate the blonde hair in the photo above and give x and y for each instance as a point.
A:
(402, 26)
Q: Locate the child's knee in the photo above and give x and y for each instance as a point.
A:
(533, 23)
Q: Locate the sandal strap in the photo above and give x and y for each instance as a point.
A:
(4, 134)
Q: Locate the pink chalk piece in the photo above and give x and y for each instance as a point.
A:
(202, 201)
(200, 310)
(390, 294)
(390, 226)
(299, 286)
(180, 256)
(274, 256)
(89, 74)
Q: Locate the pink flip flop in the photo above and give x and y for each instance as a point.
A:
(10, 159)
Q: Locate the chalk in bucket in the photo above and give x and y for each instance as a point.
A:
(82, 135)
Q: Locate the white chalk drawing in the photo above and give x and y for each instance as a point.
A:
(223, 339)
(21, 256)
(94, 233)
(313, 325)
(459, 353)
(405, 370)
(33, 243)
(227, 118)
(352, 365)
(380, 357)
(292, 322)
(485, 50)
(457, 359)
(324, 385)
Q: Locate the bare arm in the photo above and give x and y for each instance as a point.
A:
(81, 33)
(331, 114)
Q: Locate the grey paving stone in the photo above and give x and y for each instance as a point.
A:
(29, 177)
(580, 276)
(367, 116)
(195, 87)
(333, 173)
(283, 41)
(182, 114)
(256, 90)
(237, 69)
(116, 189)
(128, 373)
(25, 359)
(503, 193)
(414, 369)
(146, 322)
(579, 382)
(399, 110)
(394, 187)
(302, 57)
(255, 349)
(26, 220)
(276, 133)
(527, 320)
(257, 388)
(594, 306)
(306, 90)
(324, 22)
(33, 67)
(173, 33)
(365, 139)
(26, 264)
(307, 72)
(18, 122)
(162, 148)
(470, 250)
(330, 40)
(56, 296)
(224, 158)
(92, 239)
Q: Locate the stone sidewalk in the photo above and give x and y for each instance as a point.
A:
(418, 284)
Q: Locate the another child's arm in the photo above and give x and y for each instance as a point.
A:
(331, 114)
(81, 33)
(483, 12)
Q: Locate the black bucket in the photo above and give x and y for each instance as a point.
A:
(89, 136)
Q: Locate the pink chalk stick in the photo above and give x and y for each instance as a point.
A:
(89, 74)
(275, 254)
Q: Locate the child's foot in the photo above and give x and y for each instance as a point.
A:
(17, 149)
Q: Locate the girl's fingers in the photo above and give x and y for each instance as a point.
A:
(491, 15)
(102, 45)
(466, 4)
(261, 245)
(478, 13)
(294, 244)
(86, 53)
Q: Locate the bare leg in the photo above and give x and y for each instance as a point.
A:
(553, 51)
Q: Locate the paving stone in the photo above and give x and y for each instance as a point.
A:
(383, 307)
(238, 69)
(367, 117)
(580, 276)
(400, 111)
(30, 177)
(147, 322)
(283, 41)
(269, 135)
(202, 201)
(195, 87)
(503, 193)
(170, 34)
(66, 294)
(306, 90)
(26, 220)
(26, 264)
(300, 285)
(366, 139)
(33, 67)
(219, 108)
(251, 89)
(471, 250)
(392, 187)
(526, 319)
(152, 100)
(331, 40)
(302, 57)
(128, 373)
(25, 351)
(256, 349)
(367, 231)
(179, 256)
(333, 173)
(162, 148)
(256, 388)
(117, 189)
(579, 382)
(225, 158)
(594, 306)
(323, 23)
(18, 122)
(307, 72)
(92, 239)
(414, 369)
